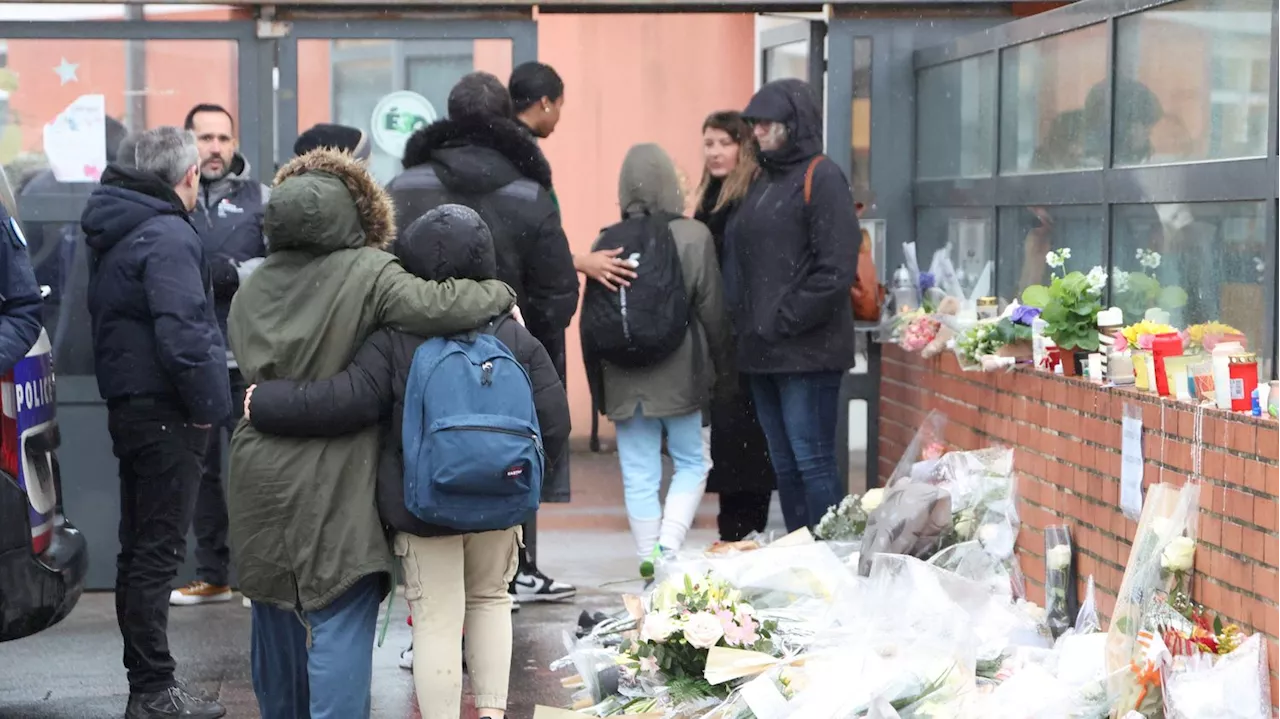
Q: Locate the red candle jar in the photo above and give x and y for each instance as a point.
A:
(1243, 369)
(1163, 346)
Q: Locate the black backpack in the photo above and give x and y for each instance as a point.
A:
(640, 325)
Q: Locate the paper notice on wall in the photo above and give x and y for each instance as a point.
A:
(76, 141)
(1131, 462)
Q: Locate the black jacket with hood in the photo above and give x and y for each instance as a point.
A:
(788, 265)
(150, 298)
(495, 167)
(450, 242)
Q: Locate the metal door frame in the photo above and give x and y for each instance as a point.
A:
(523, 34)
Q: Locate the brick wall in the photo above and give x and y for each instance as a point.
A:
(1066, 435)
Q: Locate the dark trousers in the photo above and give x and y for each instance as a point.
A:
(316, 665)
(160, 460)
(555, 347)
(742, 513)
(213, 558)
(798, 414)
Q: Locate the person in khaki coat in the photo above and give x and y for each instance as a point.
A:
(668, 397)
(306, 538)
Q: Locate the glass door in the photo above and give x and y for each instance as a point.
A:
(388, 79)
(795, 49)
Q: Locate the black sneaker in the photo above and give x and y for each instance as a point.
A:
(176, 702)
(531, 585)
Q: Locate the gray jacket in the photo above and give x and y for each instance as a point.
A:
(683, 382)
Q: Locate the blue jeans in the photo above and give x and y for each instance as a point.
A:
(329, 679)
(798, 414)
(640, 455)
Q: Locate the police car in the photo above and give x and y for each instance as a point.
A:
(43, 558)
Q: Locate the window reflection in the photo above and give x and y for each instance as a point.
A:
(965, 236)
(1192, 82)
(1045, 88)
(1199, 262)
(861, 143)
(955, 118)
(1027, 234)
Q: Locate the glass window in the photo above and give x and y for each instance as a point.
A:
(1027, 234)
(789, 61)
(1045, 88)
(347, 81)
(861, 142)
(955, 118)
(1199, 262)
(1192, 82)
(116, 86)
(965, 236)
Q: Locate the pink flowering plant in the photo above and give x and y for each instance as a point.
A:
(916, 329)
(686, 617)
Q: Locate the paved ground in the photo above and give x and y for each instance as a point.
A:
(73, 671)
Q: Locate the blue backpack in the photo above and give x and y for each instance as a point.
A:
(473, 457)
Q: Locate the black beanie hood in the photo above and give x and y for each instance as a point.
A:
(336, 137)
(448, 242)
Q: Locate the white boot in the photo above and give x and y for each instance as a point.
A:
(645, 532)
(677, 517)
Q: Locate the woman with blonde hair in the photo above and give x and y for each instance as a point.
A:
(740, 470)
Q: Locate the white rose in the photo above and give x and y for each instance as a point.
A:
(1059, 557)
(1179, 555)
(872, 499)
(703, 630)
(657, 627)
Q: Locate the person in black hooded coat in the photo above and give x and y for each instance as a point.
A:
(482, 158)
(789, 263)
(468, 572)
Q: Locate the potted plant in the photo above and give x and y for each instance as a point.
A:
(1138, 291)
(1069, 306)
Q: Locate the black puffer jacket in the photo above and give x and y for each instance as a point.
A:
(451, 242)
(495, 167)
(788, 265)
(150, 297)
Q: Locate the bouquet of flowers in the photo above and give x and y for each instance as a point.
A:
(1160, 563)
(686, 617)
(1138, 335)
(1207, 335)
(847, 521)
(1059, 581)
(916, 329)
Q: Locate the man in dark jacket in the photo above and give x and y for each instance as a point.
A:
(228, 216)
(448, 242)
(790, 259)
(161, 366)
(483, 159)
(19, 293)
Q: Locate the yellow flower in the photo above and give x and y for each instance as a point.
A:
(1145, 327)
(1210, 329)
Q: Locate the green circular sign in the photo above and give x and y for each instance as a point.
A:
(396, 117)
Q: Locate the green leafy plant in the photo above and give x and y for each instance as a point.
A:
(1070, 304)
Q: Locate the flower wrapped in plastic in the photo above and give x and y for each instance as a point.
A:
(682, 620)
(913, 520)
(847, 521)
(1236, 686)
(1059, 582)
(1161, 562)
(927, 446)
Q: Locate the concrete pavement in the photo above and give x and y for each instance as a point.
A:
(74, 671)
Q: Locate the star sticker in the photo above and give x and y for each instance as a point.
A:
(67, 71)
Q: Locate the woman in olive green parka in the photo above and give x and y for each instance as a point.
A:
(305, 534)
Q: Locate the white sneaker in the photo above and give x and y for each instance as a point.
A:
(199, 592)
(530, 585)
(406, 658)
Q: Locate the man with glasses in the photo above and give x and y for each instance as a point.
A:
(228, 217)
(160, 364)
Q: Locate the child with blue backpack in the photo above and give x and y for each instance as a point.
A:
(471, 425)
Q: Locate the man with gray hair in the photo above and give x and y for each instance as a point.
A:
(161, 365)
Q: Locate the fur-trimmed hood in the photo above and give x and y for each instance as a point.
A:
(326, 200)
(471, 153)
